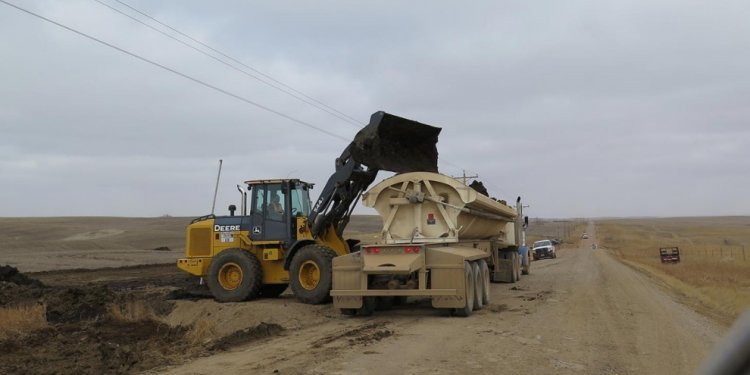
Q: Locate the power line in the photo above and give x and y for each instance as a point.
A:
(348, 121)
(196, 80)
(310, 100)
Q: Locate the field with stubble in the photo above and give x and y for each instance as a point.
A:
(714, 272)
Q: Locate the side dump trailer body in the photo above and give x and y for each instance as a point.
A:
(440, 239)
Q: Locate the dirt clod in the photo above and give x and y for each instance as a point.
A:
(247, 335)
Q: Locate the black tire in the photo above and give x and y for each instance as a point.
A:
(272, 290)
(311, 257)
(385, 303)
(368, 306)
(226, 268)
(348, 312)
(469, 281)
(485, 282)
(517, 263)
(478, 285)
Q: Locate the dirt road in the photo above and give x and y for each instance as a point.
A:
(582, 313)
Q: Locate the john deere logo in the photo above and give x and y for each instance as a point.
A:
(226, 228)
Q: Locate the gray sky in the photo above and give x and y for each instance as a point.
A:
(584, 108)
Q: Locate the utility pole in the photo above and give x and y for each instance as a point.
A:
(464, 177)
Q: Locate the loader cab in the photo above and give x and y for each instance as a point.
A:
(274, 206)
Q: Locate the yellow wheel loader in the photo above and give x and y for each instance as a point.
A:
(278, 238)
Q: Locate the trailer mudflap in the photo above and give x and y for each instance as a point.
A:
(392, 264)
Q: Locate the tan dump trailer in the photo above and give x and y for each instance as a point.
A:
(440, 239)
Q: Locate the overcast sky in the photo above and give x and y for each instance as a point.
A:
(584, 108)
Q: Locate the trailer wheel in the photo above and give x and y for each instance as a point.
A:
(478, 285)
(311, 273)
(349, 312)
(385, 303)
(485, 282)
(368, 306)
(525, 263)
(469, 285)
(517, 263)
(272, 290)
(234, 275)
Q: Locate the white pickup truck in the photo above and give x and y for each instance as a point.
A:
(543, 249)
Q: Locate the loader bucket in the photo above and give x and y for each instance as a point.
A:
(393, 143)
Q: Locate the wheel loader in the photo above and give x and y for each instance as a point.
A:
(279, 239)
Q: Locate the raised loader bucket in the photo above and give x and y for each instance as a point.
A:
(393, 143)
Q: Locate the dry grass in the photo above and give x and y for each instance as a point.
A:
(201, 332)
(132, 311)
(21, 320)
(714, 274)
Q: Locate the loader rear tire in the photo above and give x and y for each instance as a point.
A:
(469, 292)
(311, 272)
(234, 275)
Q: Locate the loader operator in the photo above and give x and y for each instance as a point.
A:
(275, 206)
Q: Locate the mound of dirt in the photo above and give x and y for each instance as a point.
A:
(101, 347)
(10, 274)
(17, 288)
(66, 305)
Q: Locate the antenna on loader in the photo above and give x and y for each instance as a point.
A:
(216, 189)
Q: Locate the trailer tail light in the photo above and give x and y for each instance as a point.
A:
(414, 249)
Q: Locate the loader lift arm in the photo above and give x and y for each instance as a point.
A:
(389, 143)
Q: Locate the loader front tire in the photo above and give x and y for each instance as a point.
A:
(234, 275)
(311, 272)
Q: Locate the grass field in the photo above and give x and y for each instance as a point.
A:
(714, 272)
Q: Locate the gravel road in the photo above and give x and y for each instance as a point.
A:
(582, 313)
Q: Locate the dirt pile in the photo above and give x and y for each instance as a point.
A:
(10, 274)
(67, 305)
(107, 327)
(95, 347)
(17, 288)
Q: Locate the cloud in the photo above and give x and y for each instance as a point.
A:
(584, 109)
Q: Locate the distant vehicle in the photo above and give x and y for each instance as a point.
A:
(669, 254)
(585, 236)
(555, 241)
(543, 249)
